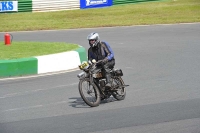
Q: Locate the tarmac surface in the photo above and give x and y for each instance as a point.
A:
(161, 63)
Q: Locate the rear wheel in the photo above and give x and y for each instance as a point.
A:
(120, 91)
(89, 93)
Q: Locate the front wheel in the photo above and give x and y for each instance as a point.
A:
(89, 93)
(120, 91)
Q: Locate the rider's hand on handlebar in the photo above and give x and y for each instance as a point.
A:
(105, 60)
(99, 62)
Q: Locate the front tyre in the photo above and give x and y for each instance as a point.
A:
(89, 93)
(120, 91)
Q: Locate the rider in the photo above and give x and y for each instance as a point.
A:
(100, 50)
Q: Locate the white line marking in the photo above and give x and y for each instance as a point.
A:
(129, 67)
(32, 107)
(34, 91)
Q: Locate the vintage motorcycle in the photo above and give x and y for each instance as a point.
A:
(92, 83)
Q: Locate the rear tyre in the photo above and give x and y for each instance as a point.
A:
(120, 92)
(89, 93)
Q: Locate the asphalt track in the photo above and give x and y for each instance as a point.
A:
(161, 63)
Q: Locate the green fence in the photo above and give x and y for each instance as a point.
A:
(24, 5)
(116, 2)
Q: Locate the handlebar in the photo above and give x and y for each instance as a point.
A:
(99, 62)
(94, 65)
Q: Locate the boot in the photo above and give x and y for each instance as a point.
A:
(108, 80)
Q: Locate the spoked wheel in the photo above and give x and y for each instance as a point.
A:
(89, 93)
(120, 91)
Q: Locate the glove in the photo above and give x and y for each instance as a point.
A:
(99, 63)
(105, 60)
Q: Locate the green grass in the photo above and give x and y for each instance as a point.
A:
(30, 49)
(162, 12)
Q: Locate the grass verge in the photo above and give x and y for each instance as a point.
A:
(30, 49)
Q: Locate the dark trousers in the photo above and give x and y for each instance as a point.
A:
(106, 67)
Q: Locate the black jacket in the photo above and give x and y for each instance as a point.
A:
(101, 51)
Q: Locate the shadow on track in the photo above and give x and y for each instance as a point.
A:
(79, 103)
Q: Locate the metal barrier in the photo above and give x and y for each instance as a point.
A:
(58, 5)
(54, 5)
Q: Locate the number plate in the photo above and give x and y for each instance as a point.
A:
(84, 65)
